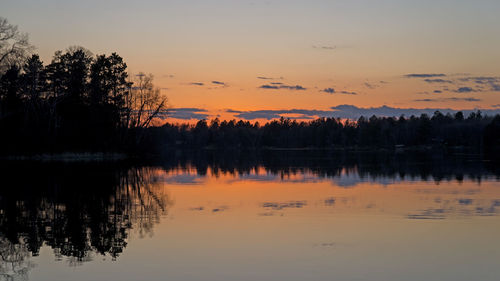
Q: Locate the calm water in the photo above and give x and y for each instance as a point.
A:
(268, 217)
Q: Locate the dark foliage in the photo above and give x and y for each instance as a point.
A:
(75, 103)
(329, 133)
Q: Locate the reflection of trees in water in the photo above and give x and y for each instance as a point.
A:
(374, 165)
(78, 210)
(14, 261)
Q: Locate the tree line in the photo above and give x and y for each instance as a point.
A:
(77, 102)
(456, 130)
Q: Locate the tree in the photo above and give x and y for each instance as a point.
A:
(33, 78)
(144, 102)
(14, 46)
(76, 66)
(9, 91)
(108, 81)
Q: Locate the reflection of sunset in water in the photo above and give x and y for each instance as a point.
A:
(252, 220)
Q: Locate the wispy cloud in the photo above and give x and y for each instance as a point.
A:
(188, 113)
(424, 75)
(353, 112)
(219, 83)
(269, 87)
(282, 86)
(470, 99)
(370, 86)
(325, 47)
(269, 78)
(348, 93)
(276, 114)
(197, 83)
(437, 81)
(492, 81)
(332, 91)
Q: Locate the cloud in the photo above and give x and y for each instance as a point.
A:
(232, 111)
(437, 81)
(269, 78)
(332, 91)
(296, 87)
(464, 99)
(370, 86)
(276, 83)
(424, 75)
(325, 47)
(188, 113)
(282, 86)
(168, 76)
(276, 114)
(196, 83)
(471, 99)
(481, 79)
(348, 93)
(219, 83)
(492, 81)
(269, 87)
(354, 112)
(496, 105)
(438, 91)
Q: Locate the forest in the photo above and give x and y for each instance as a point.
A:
(77, 102)
(473, 131)
(80, 102)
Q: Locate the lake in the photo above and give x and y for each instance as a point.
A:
(253, 216)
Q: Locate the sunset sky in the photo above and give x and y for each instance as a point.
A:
(296, 58)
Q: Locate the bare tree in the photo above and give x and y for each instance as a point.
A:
(144, 102)
(14, 46)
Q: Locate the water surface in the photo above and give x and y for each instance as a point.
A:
(284, 217)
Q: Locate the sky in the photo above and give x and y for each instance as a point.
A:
(293, 58)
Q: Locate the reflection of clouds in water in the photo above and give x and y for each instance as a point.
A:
(330, 201)
(284, 205)
(257, 177)
(452, 192)
(433, 214)
(266, 214)
(219, 209)
(460, 208)
(342, 178)
(465, 201)
(213, 210)
(187, 179)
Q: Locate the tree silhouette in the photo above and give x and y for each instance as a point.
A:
(14, 46)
